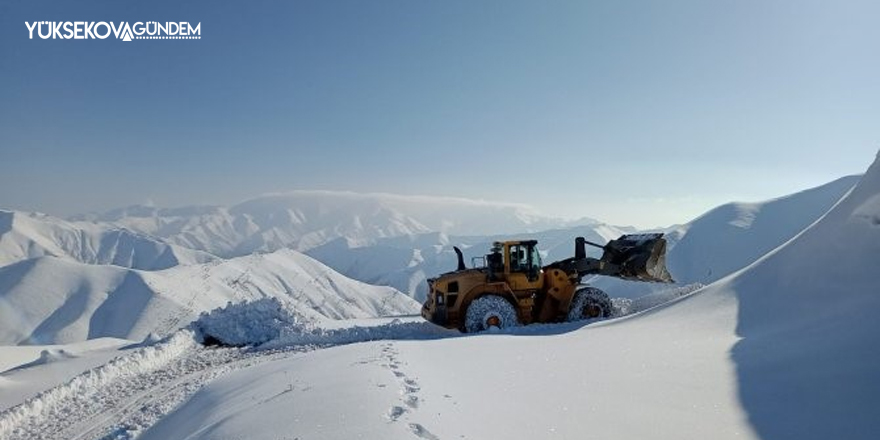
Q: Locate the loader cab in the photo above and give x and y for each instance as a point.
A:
(522, 264)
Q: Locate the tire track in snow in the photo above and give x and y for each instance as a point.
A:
(124, 397)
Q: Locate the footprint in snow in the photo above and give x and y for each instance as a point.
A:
(395, 412)
(411, 386)
(412, 401)
(421, 432)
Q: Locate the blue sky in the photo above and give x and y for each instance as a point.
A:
(635, 112)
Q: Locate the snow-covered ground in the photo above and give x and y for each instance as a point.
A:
(780, 349)
(72, 391)
(28, 370)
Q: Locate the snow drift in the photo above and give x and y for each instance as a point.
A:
(734, 235)
(806, 364)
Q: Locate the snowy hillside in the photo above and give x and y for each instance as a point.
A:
(734, 235)
(303, 220)
(781, 349)
(29, 235)
(50, 300)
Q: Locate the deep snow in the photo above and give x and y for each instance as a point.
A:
(781, 349)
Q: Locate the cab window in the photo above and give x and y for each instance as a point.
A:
(525, 258)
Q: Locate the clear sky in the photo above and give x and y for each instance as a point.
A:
(634, 112)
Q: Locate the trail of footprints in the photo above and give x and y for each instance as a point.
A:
(409, 393)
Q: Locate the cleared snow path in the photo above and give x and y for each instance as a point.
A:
(129, 394)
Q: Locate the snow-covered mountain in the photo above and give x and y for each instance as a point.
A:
(49, 300)
(30, 235)
(303, 220)
(780, 349)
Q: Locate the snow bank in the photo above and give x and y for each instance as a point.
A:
(81, 388)
(271, 324)
(394, 330)
(246, 323)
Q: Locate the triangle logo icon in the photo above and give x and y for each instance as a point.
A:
(126, 33)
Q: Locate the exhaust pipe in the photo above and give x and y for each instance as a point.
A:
(458, 253)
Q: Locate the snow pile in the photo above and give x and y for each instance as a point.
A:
(81, 388)
(397, 329)
(247, 323)
(272, 324)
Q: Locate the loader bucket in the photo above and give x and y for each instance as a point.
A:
(639, 257)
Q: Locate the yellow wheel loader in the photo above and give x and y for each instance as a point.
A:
(510, 286)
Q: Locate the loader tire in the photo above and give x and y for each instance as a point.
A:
(489, 311)
(589, 303)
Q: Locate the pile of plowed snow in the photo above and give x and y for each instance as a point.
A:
(270, 323)
(247, 323)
